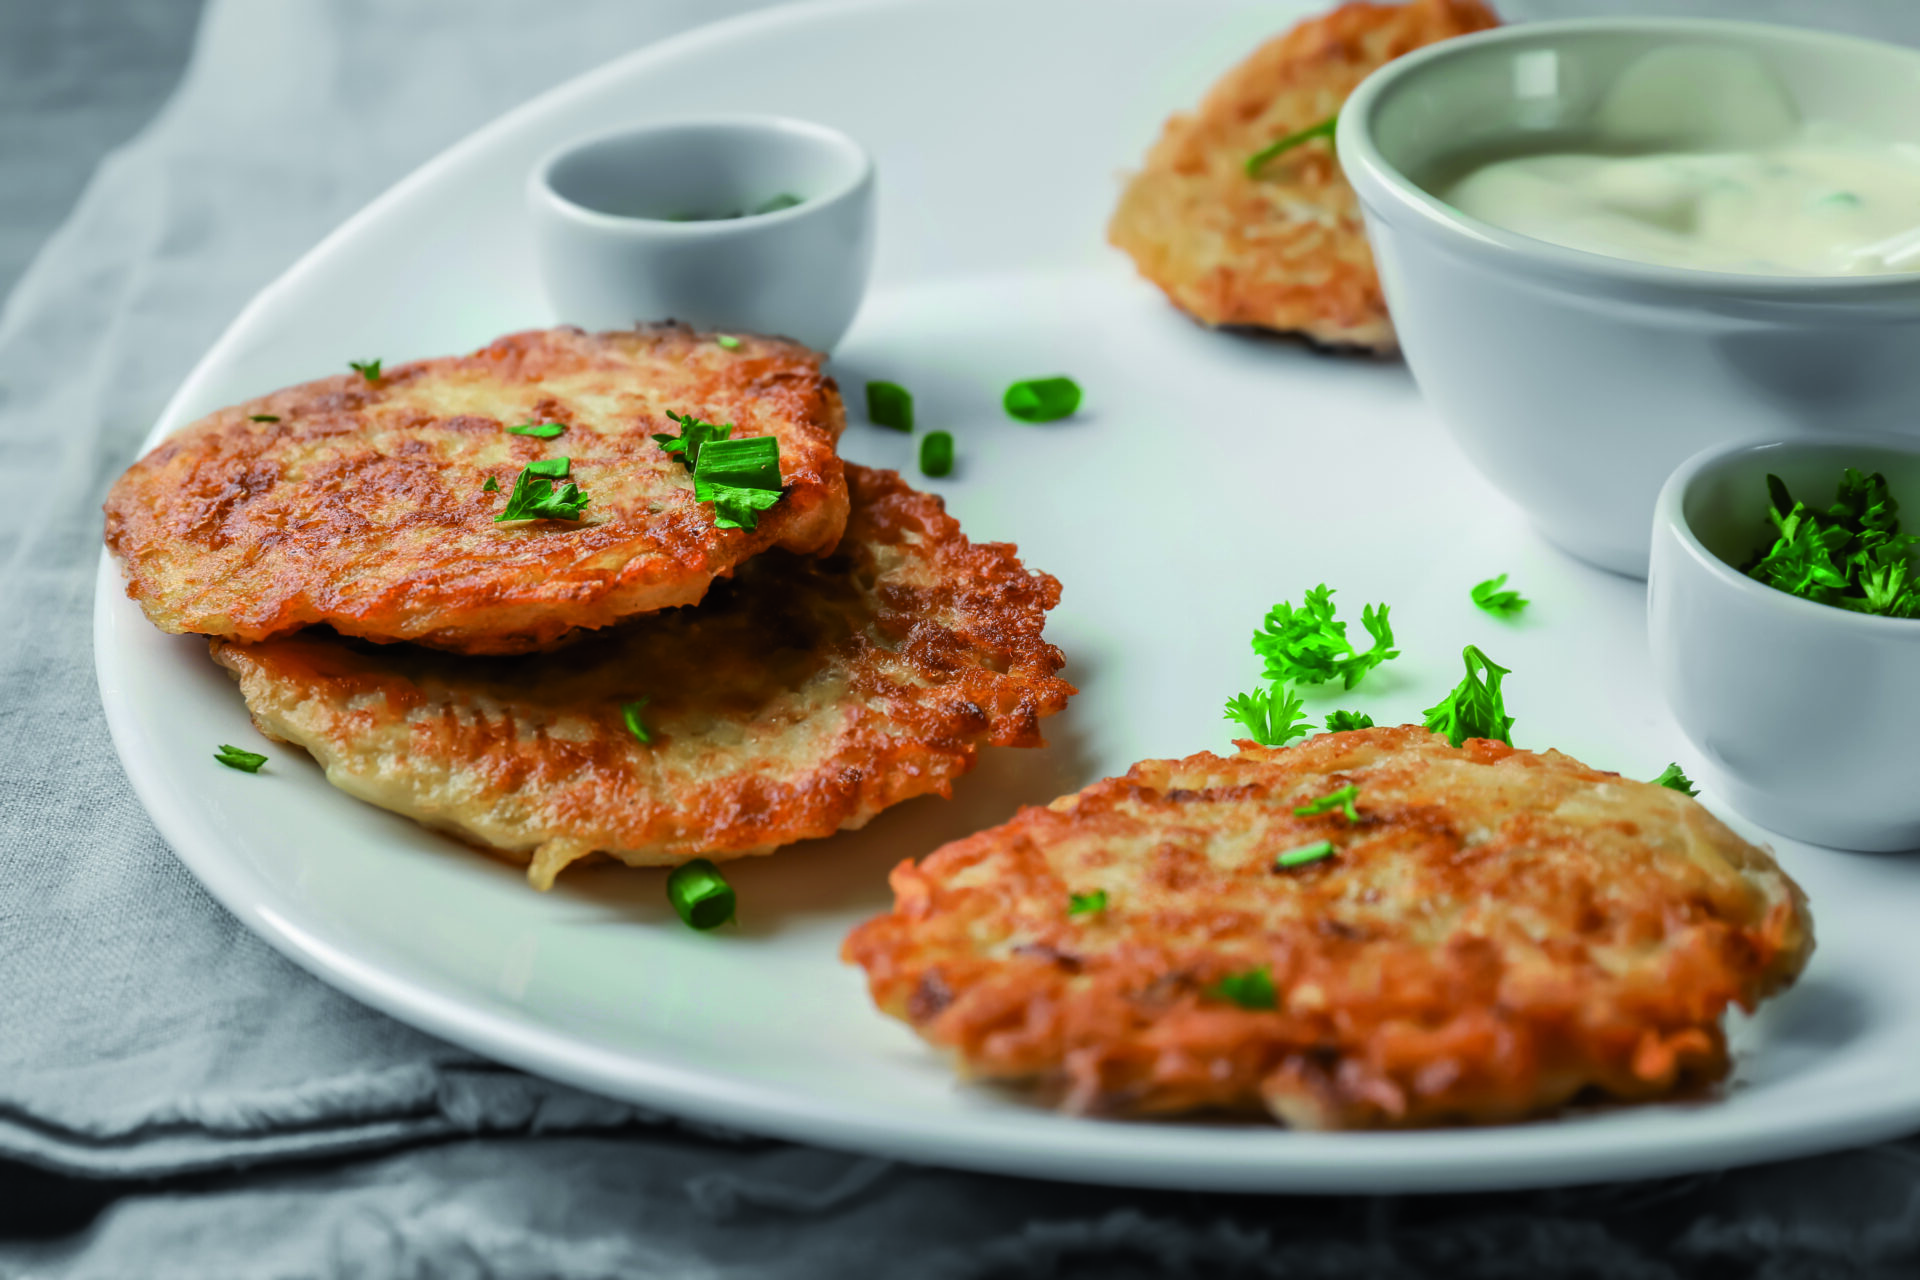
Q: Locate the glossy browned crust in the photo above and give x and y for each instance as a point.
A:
(1500, 932)
(1285, 250)
(363, 507)
(801, 697)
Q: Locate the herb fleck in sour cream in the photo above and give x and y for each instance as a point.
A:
(1815, 199)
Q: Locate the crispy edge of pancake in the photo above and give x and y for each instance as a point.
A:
(1285, 251)
(211, 542)
(968, 665)
(1373, 1027)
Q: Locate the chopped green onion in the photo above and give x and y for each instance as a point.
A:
(1476, 707)
(1251, 989)
(1272, 717)
(535, 496)
(700, 894)
(1325, 129)
(630, 712)
(1341, 721)
(728, 341)
(1674, 778)
(1342, 800)
(1304, 854)
(936, 454)
(263, 417)
(368, 369)
(236, 758)
(1080, 904)
(1042, 399)
(740, 478)
(491, 486)
(540, 430)
(890, 405)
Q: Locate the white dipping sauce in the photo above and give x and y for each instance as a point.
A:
(1815, 200)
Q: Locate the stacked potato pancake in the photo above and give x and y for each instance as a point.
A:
(640, 681)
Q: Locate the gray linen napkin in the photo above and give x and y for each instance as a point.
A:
(144, 1035)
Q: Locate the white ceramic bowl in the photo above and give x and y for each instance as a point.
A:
(634, 226)
(1577, 382)
(1807, 714)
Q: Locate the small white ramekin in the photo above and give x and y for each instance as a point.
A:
(1808, 715)
(1576, 382)
(615, 247)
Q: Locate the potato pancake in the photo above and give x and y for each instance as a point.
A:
(802, 696)
(362, 503)
(1491, 934)
(1284, 249)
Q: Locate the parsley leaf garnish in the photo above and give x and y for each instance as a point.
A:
(1308, 646)
(1341, 721)
(235, 758)
(539, 430)
(727, 340)
(1501, 604)
(1081, 904)
(1852, 555)
(536, 496)
(1674, 778)
(1304, 854)
(1475, 708)
(1341, 800)
(491, 486)
(1258, 160)
(368, 369)
(1272, 717)
(740, 478)
(630, 712)
(694, 436)
(1252, 989)
(263, 417)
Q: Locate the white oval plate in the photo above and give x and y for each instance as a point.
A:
(1209, 475)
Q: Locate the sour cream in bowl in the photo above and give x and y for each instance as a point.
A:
(1609, 244)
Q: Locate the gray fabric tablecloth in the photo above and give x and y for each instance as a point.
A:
(248, 1120)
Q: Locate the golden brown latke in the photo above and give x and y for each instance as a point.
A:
(361, 504)
(1284, 250)
(1499, 932)
(801, 697)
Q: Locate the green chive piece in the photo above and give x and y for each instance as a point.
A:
(491, 486)
(263, 417)
(1325, 129)
(1042, 399)
(1501, 604)
(890, 405)
(1084, 904)
(539, 430)
(1304, 854)
(1674, 778)
(785, 200)
(1342, 800)
(740, 478)
(728, 341)
(700, 895)
(936, 453)
(1341, 721)
(1252, 989)
(236, 758)
(630, 712)
(368, 369)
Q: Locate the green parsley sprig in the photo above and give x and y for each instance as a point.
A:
(1852, 555)
(368, 369)
(538, 495)
(695, 433)
(1475, 708)
(1308, 646)
(1674, 778)
(1250, 989)
(1501, 604)
(1324, 129)
(1272, 717)
(1341, 721)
